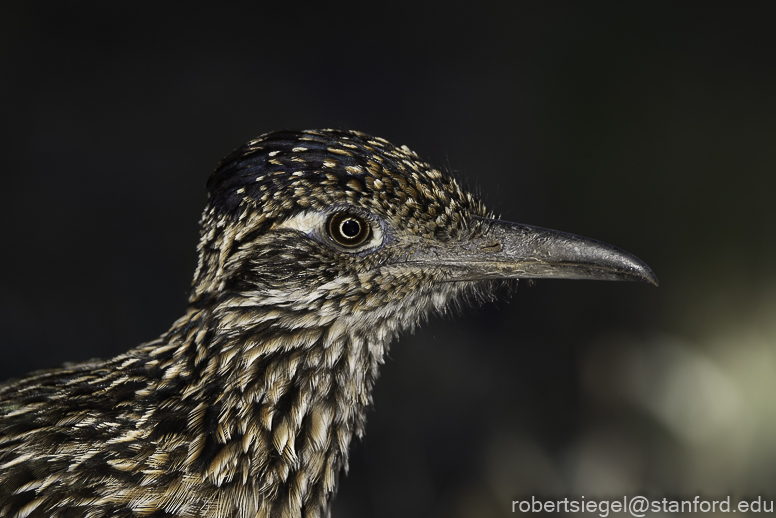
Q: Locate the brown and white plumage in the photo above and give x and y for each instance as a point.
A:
(317, 249)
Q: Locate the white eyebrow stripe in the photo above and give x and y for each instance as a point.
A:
(305, 222)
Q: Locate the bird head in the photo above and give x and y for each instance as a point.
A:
(323, 226)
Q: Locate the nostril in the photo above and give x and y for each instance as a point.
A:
(492, 246)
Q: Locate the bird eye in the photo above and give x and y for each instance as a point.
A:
(349, 230)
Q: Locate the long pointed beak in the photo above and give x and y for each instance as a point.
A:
(504, 250)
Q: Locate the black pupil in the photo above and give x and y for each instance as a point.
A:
(350, 228)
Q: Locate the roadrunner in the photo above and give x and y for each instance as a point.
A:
(317, 248)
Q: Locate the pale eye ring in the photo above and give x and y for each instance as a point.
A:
(349, 230)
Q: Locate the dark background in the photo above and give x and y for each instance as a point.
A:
(651, 126)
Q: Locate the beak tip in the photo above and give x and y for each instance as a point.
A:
(651, 278)
(640, 271)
